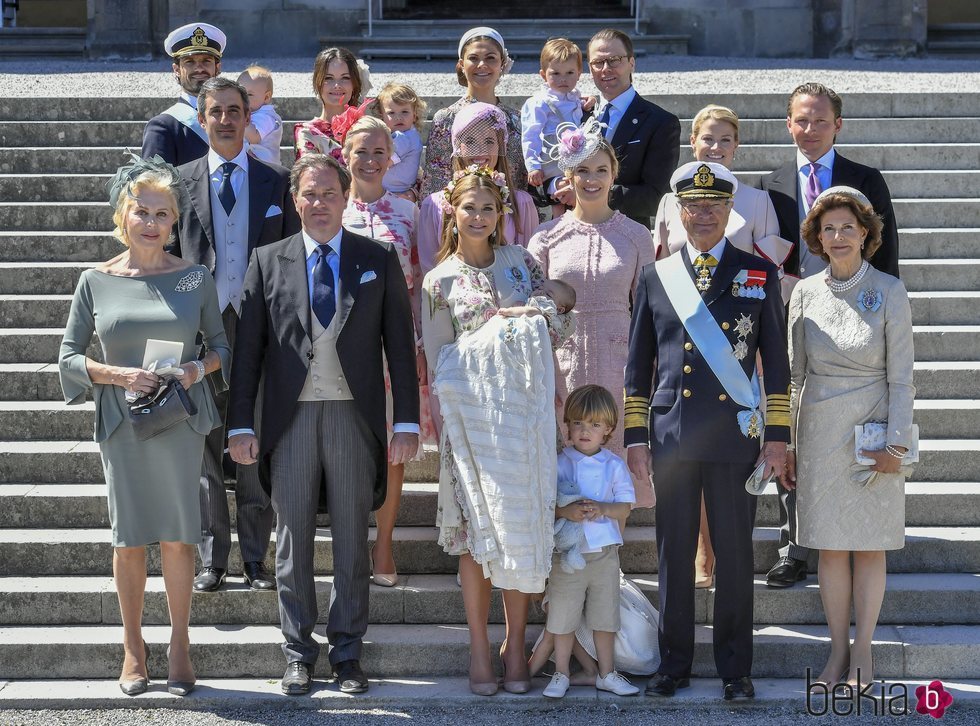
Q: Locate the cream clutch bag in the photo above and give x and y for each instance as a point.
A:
(872, 437)
(756, 483)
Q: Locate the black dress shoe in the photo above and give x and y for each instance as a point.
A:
(257, 577)
(297, 679)
(738, 687)
(786, 572)
(350, 677)
(664, 685)
(209, 579)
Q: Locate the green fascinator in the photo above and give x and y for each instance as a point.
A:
(127, 173)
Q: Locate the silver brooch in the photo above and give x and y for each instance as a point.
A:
(190, 281)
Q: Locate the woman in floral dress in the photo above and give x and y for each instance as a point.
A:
(482, 61)
(373, 212)
(339, 80)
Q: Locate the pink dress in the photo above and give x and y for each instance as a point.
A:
(603, 263)
(430, 226)
(395, 220)
(316, 137)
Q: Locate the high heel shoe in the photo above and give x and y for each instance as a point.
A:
(138, 685)
(704, 580)
(179, 688)
(384, 580)
(482, 689)
(521, 686)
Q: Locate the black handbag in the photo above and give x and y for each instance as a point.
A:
(167, 407)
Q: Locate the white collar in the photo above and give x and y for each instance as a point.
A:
(717, 251)
(192, 100)
(573, 95)
(601, 456)
(311, 244)
(622, 101)
(826, 161)
(215, 160)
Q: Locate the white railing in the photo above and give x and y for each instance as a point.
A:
(370, 14)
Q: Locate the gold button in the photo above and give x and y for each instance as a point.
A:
(688, 369)
(725, 326)
(687, 393)
(688, 346)
(723, 397)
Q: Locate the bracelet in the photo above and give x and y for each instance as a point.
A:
(892, 451)
(201, 370)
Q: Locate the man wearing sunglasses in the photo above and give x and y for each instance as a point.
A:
(646, 137)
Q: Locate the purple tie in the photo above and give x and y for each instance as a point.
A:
(813, 187)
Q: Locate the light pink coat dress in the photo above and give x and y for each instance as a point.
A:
(603, 263)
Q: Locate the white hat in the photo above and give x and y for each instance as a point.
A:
(847, 192)
(195, 38)
(484, 31)
(703, 179)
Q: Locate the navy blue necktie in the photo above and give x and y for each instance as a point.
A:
(226, 193)
(604, 120)
(324, 301)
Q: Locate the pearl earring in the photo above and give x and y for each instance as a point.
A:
(455, 229)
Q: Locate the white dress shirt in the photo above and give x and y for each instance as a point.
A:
(616, 113)
(811, 264)
(602, 477)
(238, 176)
(717, 251)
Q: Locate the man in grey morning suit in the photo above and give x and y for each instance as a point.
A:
(232, 204)
(322, 311)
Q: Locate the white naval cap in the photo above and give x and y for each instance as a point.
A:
(703, 179)
(195, 38)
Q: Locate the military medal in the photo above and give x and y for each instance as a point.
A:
(751, 423)
(750, 284)
(741, 350)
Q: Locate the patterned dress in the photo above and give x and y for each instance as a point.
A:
(458, 298)
(439, 147)
(316, 136)
(603, 263)
(395, 220)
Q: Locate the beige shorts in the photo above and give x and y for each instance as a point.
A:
(595, 588)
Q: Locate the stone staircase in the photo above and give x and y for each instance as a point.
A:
(59, 616)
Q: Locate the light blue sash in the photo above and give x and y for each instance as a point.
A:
(187, 115)
(707, 336)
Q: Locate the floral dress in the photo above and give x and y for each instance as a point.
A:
(395, 220)
(439, 147)
(458, 298)
(316, 137)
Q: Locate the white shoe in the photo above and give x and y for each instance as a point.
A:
(557, 687)
(615, 683)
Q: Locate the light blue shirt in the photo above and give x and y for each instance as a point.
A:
(616, 113)
(811, 264)
(402, 174)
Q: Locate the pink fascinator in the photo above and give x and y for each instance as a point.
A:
(575, 144)
(474, 121)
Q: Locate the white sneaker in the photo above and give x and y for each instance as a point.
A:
(557, 687)
(615, 683)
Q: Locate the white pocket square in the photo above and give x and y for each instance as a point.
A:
(634, 141)
(367, 277)
(272, 211)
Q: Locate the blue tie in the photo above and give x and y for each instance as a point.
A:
(324, 301)
(226, 193)
(604, 120)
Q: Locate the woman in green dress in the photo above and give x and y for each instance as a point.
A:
(153, 485)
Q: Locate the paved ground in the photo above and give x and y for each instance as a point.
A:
(655, 74)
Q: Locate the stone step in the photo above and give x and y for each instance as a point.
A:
(35, 311)
(26, 552)
(33, 420)
(907, 184)
(38, 247)
(926, 275)
(21, 344)
(95, 651)
(684, 105)
(944, 308)
(83, 506)
(947, 342)
(751, 131)
(46, 278)
(103, 160)
(910, 599)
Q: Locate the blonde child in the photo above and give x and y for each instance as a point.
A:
(607, 489)
(264, 132)
(403, 112)
(558, 102)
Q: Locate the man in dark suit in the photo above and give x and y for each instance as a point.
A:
(233, 204)
(813, 117)
(322, 311)
(176, 135)
(646, 137)
(699, 319)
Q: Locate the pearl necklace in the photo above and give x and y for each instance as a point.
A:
(845, 285)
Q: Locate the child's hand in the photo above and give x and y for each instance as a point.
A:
(574, 512)
(535, 178)
(588, 103)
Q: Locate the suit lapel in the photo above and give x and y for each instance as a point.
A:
(350, 277)
(292, 266)
(724, 274)
(631, 120)
(199, 191)
(842, 174)
(259, 183)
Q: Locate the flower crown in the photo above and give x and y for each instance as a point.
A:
(486, 172)
(574, 143)
(126, 174)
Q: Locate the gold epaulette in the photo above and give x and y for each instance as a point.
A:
(636, 412)
(777, 409)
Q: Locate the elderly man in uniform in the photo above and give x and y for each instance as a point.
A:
(699, 319)
(176, 134)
